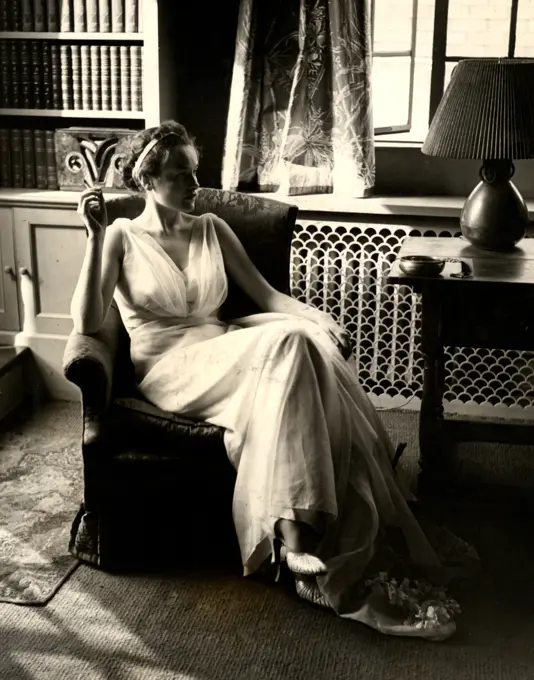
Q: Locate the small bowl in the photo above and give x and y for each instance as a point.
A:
(421, 265)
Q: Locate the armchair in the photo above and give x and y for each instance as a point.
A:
(158, 487)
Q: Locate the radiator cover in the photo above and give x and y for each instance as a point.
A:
(341, 267)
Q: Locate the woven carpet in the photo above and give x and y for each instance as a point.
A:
(216, 625)
(40, 490)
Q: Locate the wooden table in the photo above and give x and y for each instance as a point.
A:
(493, 308)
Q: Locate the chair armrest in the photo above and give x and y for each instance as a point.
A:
(88, 361)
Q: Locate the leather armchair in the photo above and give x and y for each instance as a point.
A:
(158, 487)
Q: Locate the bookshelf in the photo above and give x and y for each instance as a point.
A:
(63, 62)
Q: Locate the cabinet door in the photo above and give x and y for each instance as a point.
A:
(50, 244)
(9, 308)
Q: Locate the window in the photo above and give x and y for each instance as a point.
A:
(442, 33)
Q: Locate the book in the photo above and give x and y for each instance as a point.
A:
(16, 99)
(105, 82)
(17, 162)
(50, 155)
(52, 15)
(27, 15)
(136, 77)
(6, 74)
(66, 17)
(39, 15)
(125, 79)
(114, 77)
(76, 75)
(79, 18)
(117, 16)
(131, 16)
(48, 102)
(16, 15)
(87, 100)
(55, 76)
(28, 158)
(66, 82)
(91, 8)
(36, 85)
(104, 16)
(6, 15)
(41, 181)
(26, 96)
(95, 76)
(5, 158)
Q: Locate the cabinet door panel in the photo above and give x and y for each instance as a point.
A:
(50, 245)
(9, 308)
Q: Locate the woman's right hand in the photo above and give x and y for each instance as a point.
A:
(92, 210)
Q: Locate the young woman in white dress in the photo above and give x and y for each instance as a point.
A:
(313, 461)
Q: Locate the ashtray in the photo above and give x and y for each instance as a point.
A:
(422, 265)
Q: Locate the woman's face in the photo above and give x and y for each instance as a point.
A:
(177, 184)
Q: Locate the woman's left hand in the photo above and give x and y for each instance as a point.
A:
(338, 335)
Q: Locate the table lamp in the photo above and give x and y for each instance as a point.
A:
(487, 113)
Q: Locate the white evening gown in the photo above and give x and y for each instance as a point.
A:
(300, 431)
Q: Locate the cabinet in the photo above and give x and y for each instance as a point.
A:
(9, 304)
(42, 244)
(49, 251)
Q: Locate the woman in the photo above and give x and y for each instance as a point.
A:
(312, 458)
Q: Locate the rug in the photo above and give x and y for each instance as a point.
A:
(41, 487)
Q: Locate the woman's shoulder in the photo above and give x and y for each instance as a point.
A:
(214, 219)
(114, 237)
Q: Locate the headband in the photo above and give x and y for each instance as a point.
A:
(144, 153)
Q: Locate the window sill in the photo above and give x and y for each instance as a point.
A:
(397, 144)
(407, 206)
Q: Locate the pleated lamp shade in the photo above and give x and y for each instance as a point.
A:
(487, 112)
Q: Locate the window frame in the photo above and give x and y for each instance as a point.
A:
(393, 129)
(440, 58)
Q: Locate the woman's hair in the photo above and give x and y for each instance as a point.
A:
(171, 133)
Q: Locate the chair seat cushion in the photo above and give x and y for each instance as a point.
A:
(137, 421)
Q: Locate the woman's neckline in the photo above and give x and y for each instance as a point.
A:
(143, 233)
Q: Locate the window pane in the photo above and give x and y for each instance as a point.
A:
(449, 68)
(391, 91)
(383, 111)
(524, 45)
(478, 29)
(393, 25)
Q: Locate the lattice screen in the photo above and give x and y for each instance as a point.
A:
(341, 268)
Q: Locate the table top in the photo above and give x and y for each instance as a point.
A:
(514, 267)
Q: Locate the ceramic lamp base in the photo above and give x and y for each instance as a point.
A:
(495, 216)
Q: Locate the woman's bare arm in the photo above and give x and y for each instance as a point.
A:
(246, 275)
(101, 264)
(98, 277)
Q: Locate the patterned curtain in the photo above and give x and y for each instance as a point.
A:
(300, 118)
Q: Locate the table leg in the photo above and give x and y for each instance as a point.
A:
(433, 462)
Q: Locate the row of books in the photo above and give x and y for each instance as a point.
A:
(27, 159)
(38, 74)
(93, 16)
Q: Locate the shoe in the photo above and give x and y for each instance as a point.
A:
(310, 591)
(305, 564)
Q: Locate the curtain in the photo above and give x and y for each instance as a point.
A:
(300, 117)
